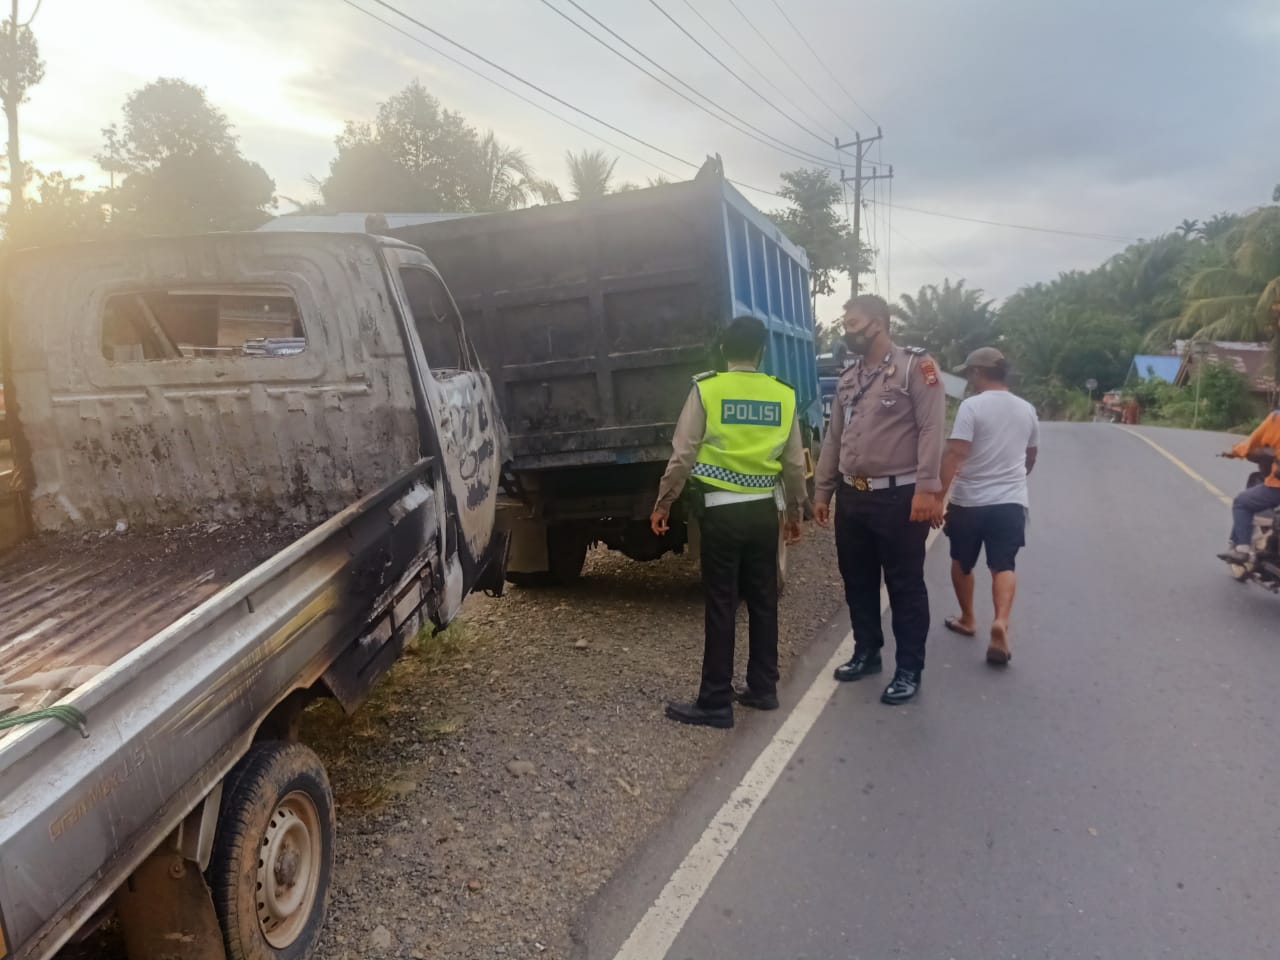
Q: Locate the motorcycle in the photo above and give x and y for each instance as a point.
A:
(1264, 568)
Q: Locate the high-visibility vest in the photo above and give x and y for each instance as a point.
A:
(749, 417)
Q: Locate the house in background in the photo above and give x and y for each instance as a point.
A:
(1256, 361)
(1153, 366)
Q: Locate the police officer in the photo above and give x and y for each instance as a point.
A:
(737, 437)
(881, 460)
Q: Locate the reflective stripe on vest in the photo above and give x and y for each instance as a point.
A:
(749, 418)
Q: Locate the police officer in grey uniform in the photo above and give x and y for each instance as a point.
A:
(881, 460)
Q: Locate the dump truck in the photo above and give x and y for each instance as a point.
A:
(250, 468)
(591, 317)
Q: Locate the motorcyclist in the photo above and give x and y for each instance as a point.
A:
(1264, 496)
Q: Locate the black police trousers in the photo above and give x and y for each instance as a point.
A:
(875, 536)
(739, 562)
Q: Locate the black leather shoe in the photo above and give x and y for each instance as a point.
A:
(906, 683)
(758, 701)
(862, 665)
(691, 713)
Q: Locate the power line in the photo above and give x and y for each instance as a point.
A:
(1017, 226)
(787, 63)
(747, 60)
(544, 92)
(822, 63)
(888, 242)
(780, 145)
(733, 73)
(529, 83)
(502, 86)
(925, 250)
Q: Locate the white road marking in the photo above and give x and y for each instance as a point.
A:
(1179, 464)
(658, 929)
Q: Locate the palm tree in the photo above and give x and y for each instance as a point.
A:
(1236, 296)
(1189, 229)
(590, 173)
(508, 179)
(949, 321)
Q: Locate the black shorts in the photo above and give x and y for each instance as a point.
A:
(1001, 528)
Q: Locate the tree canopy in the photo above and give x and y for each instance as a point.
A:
(813, 223)
(182, 166)
(1211, 279)
(416, 156)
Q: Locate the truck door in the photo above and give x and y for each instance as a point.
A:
(471, 434)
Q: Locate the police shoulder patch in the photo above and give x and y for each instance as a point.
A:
(929, 370)
(706, 375)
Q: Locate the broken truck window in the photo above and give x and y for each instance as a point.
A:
(174, 324)
(434, 318)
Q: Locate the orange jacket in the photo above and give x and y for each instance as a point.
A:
(1267, 435)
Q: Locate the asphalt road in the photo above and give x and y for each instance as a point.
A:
(1114, 794)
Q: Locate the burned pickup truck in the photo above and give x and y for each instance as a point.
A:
(250, 468)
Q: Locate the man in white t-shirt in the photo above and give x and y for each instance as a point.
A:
(991, 452)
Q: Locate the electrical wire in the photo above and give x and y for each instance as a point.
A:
(822, 63)
(733, 73)
(1017, 226)
(529, 83)
(795, 153)
(547, 93)
(888, 242)
(502, 86)
(786, 61)
(747, 60)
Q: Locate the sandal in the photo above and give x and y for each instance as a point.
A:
(953, 624)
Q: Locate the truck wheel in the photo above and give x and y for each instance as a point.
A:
(273, 853)
(566, 554)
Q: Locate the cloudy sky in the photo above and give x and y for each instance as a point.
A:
(1118, 117)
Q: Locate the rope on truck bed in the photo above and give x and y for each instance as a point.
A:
(68, 715)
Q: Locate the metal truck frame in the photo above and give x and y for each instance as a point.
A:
(592, 316)
(380, 437)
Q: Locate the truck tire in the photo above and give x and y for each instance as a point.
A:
(273, 853)
(566, 554)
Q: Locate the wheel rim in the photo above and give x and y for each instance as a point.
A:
(289, 869)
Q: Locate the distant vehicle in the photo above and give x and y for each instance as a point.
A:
(830, 367)
(592, 317)
(256, 465)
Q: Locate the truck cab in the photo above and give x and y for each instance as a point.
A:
(248, 468)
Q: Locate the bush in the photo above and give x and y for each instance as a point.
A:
(1224, 400)
(1055, 401)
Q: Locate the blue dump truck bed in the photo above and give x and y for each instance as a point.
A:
(592, 316)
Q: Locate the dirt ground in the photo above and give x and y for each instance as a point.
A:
(506, 768)
(503, 775)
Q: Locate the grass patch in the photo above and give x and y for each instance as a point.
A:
(400, 706)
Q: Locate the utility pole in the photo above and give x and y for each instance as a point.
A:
(18, 78)
(860, 145)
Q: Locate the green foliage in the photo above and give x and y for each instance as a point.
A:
(1054, 400)
(62, 209)
(812, 223)
(183, 169)
(417, 156)
(591, 174)
(1224, 400)
(1236, 293)
(20, 66)
(20, 69)
(949, 321)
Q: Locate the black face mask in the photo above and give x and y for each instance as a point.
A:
(857, 343)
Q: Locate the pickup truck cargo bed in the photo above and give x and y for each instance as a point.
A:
(72, 605)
